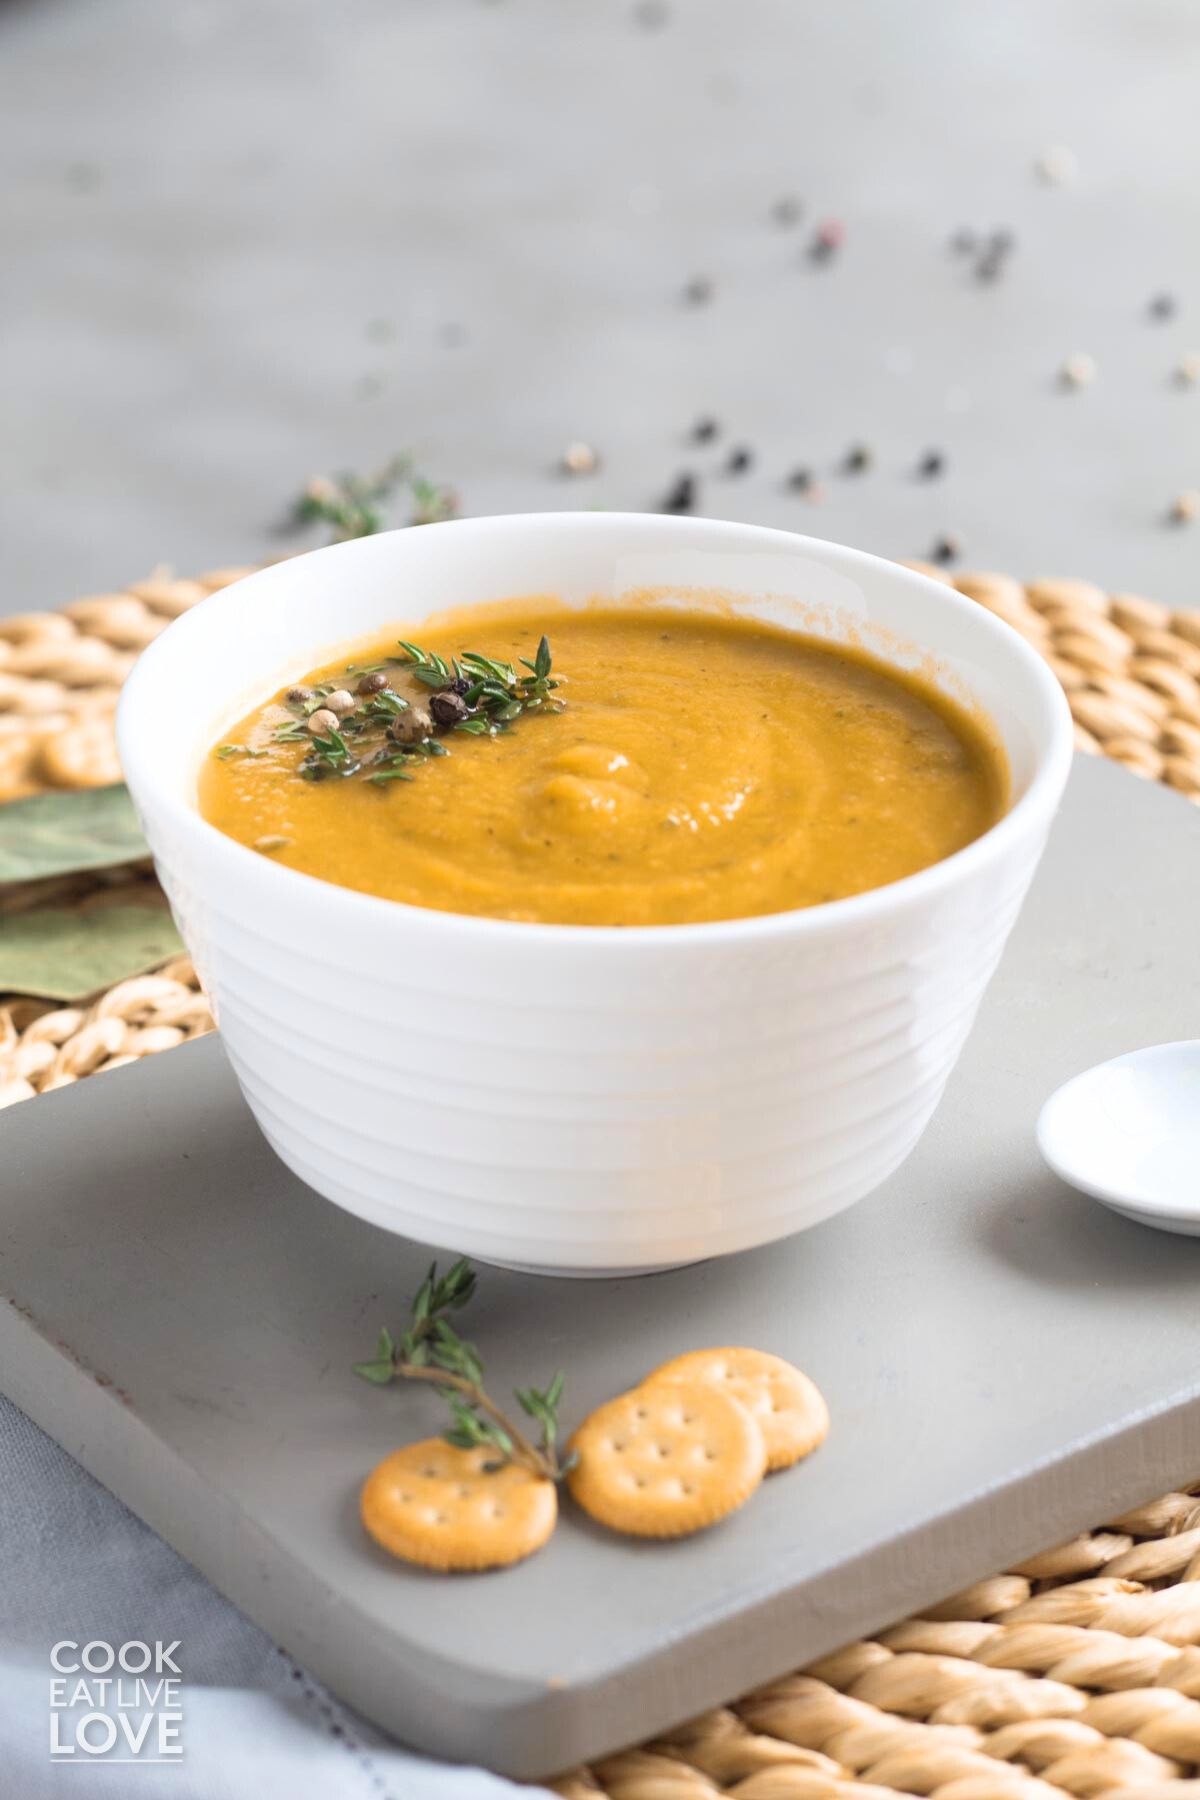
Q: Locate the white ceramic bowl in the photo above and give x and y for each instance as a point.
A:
(584, 1099)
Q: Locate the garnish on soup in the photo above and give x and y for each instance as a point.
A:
(709, 766)
(378, 733)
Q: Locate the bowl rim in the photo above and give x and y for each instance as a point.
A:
(1036, 804)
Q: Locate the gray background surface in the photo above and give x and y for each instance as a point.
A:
(249, 240)
(1005, 1361)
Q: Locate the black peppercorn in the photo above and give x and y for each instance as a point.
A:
(448, 709)
(699, 291)
(704, 430)
(947, 549)
(739, 460)
(858, 459)
(681, 497)
(932, 464)
(800, 480)
(827, 240)
(1163, 306)
(373, 684)
(299, 696)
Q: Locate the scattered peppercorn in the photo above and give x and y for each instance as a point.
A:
(858, 459)
(373, 684)
(946, 549)
(1079, 370)
(651, 15)
(579, 459)
(800, 480)
(681, 496)
(739, 460)
(411, 726)
(996, 251)
(1057, 165)
(699, 291)
(705, 430)
(827, 240)
(964, 241)
(299, 696)
(449, 709)
(931, 465)
(322, 722)
(1163, 307)
(787, 211)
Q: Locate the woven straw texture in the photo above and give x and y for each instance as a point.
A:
(1077, 1673)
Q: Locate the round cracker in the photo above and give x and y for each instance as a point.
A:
(787, 1407)
(434, 1504)
(665, 1462)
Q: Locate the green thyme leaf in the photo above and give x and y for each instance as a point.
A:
(380, 1373)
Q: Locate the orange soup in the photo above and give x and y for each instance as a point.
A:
(646, 766)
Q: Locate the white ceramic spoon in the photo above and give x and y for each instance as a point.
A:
(1128, 1132)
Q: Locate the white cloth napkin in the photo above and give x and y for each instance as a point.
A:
(74, 1563)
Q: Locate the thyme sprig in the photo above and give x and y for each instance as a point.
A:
(330, 755)
(383, 735)
(472, 693)
(355, 506)
(492, 691)
(430, 1350)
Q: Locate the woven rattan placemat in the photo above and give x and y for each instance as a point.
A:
(1078, 1672)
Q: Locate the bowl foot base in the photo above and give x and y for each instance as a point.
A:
(517, 1268)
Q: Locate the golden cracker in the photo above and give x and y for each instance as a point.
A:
(668, 1461)
(434, 1504)
(787, 1407)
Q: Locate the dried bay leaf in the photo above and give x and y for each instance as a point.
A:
(60, 833)
(69, 953)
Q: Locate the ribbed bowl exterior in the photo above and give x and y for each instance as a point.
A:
(587, 1101)
(557, 1111)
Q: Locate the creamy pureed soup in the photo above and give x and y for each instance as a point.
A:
(702, 766)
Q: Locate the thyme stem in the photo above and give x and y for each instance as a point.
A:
(430, 1350)
(522, 1450)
